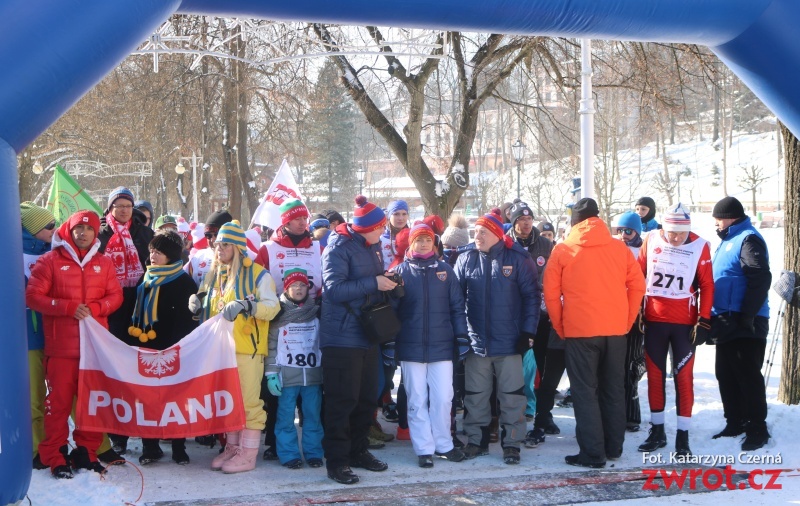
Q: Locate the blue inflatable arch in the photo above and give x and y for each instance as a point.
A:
(54, 51)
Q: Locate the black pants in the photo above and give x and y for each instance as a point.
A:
(540, 345)
(634, 370)
(350, 380)
(741, 384)
(554, 366)
(271, 407)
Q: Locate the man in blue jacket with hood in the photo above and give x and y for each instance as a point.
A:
(499, 281)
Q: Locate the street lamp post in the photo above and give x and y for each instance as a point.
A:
(180, 169)
(518, 152)
(361, 173)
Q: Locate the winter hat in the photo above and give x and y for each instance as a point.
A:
(143, 204)
(319, 222)
(649, 204)
(165, 220)
(402, 242)
(396, 205)
(728, 208)
(518, 210)
(332, 215)
(295, 275)
(418, 231)
(120, 192)
(169, 243)
(292, 209)
(630, 220)
(219, 218)
(435, 222)
(584, 209)
(503, 209)
(546, 226)
(232, 233)
(455, 237)
(84, 218)
(676, 219)
(492, 222)
(367, 216)
(35, 218)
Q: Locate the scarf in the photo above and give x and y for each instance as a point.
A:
(121, 250)
(245, 285)
(636, 242)
(420, 256)
(145, 313)
(292, 312)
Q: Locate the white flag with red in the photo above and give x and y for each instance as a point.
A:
(283, 188)
(190, 389)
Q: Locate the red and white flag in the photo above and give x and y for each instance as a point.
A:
(190, 389)
(283, 188)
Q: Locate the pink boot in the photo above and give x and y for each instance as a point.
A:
(247, 454)
(231, 447)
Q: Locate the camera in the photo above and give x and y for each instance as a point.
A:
(398, 291)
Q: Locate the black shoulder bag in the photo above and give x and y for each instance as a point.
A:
(379, 321)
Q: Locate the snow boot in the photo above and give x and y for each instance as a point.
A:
(80, 459)
(179, 455)
(657, 439)
(682, 444)
(756, 437)
(111, 458)
(732, 428)
(231, 446)
(151, 452)
(246, 453)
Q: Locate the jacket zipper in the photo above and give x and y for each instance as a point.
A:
(487, 323)
(425, 306)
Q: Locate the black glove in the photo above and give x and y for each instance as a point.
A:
(701, 333)
(462, 342)
(747, 323)
(524, 342)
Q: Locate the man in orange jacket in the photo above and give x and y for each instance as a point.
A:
(593, 288)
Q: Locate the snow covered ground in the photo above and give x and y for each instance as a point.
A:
(166, 481)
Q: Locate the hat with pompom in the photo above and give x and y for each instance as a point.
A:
(492, 222)
(367, 216)
(232, 233)
(435, 222)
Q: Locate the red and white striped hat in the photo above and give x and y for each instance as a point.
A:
(676, 219)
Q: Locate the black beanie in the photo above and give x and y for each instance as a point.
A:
(518, 210)
(583, 210)
(169, 243)
(332, 215)
(219, 218)
(650, 204)
(728, 208)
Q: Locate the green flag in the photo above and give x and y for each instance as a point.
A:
(67, 197)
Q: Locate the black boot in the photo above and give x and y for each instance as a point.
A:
(682, 444)
(63, 472)
(179, 455)
(111, 458)
(757, 437)
(80, 459)
(151, 451)
(732, 428)
(119, 443)
(657, 439)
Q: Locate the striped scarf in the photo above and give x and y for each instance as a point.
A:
(245, 285)
(145, 314)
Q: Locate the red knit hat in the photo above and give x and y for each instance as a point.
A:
(84, 218)
(367, 216)
(435, 222)
(493, 223)
(293, 276)
(292, 209)
(418, 231)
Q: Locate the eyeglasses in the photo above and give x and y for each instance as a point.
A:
(626, 231)
(123, 208)
(50, 226)
(210, 235)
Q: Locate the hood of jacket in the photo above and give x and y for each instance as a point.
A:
(63, 239)
(33, 246)
(588, 233)
(282, 238)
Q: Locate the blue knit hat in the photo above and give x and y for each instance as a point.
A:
(120, 192)
(630, 220)
(232, 233)
(396, 205)
(367, 216)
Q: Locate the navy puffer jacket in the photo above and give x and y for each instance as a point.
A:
(502, 297)
(349, 268)
(432, 311)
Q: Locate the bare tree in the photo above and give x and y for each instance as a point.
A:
(750, 180)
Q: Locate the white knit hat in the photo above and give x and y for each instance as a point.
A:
(676, 219)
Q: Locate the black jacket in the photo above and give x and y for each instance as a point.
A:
(537, 246)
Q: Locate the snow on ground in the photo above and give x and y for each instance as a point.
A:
(166, 481)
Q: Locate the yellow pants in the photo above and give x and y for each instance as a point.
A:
(38, 394)
(251, 370)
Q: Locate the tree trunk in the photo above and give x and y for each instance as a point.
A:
(789, 391)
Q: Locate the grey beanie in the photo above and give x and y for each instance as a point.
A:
(454, 237)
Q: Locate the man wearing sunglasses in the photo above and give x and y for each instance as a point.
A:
(200, 262)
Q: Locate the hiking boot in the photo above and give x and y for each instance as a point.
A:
(375, 432)
(550, 427)
(270, 453)
(366, 460)
(732, 428)
(574, 460)
(111, 458)
(314, 463)
(151, 452)
(425, 461)
(374, 444)
(682, 444)
(343, 475)
(390, 413)
(534, 437)
(511, 455)
(756, 437)
(62, 472)
(457, 443)
(657, 439)
(472, 451)
(293, 464)
(454, 455)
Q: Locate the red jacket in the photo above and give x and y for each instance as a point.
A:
(59, 282)
(280, 237)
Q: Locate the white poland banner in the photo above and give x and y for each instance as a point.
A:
(190, 389)
(283, 187)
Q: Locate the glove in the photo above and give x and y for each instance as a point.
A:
(234, 308)
(196, 303)
(747, 323)
(524, 342)
(701, 333)
(461, 347)
(274, 384)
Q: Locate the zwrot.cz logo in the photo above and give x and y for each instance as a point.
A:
(712, 478)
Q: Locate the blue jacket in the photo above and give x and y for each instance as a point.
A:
(503, 296)
(650, 225)
(31, 249)
(432, 311)
(731, 290)
(349, 268)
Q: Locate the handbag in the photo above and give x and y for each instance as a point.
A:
(379, 321)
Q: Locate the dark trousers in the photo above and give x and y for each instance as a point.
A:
(350, 380)
(540, 344)
(271, 407)
(634, 370)
(554, 365)
(741, 384)
(596, 370)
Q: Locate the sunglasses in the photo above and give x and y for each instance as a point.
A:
(210, 235)
(626, 231)
(50, 226)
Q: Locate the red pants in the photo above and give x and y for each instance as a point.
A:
(61, 375)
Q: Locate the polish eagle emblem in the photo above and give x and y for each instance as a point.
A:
(161, 364)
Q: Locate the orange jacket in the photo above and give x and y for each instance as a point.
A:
(592, 284)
